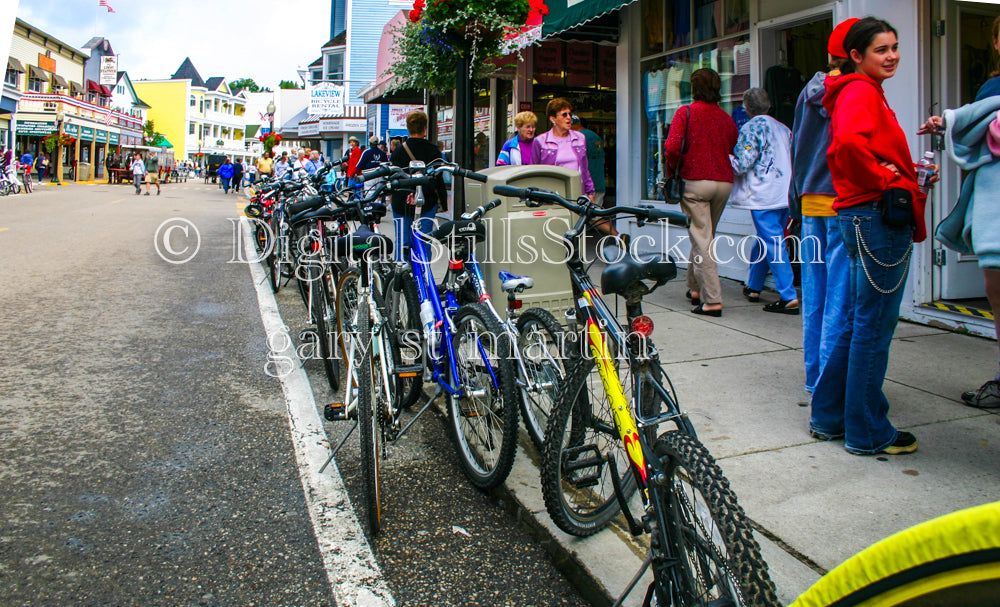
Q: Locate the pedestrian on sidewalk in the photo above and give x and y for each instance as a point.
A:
(265, 166)
(416, 147)
(973, 226)
(710, 135)
(237, 175)
(138, 171)
(152, 172)
(762, 162)
(825, 265)
(226, 173)
(874, 174)
(516, 149)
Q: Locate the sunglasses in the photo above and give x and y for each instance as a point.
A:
(565, 114)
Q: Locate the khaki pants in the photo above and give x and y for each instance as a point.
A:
(704, 202)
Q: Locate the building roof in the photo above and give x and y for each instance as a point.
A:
(338, 40)
(214, 83)
(317, 63)
(187, 71)
(98, 41)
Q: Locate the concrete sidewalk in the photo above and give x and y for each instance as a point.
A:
(740, 377)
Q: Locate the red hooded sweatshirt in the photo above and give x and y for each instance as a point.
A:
(864, 133)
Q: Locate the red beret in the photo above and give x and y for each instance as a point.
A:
(836, 44)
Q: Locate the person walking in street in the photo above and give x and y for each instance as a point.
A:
(416, 147)
(237, 175)
(265, 166)
(314, 164)
(880, 211)
(42, 166)
(973, 226)
(825, 265)
(152, 172)
(372, 158)
(226, 172)
(26, 160)
(516, 149)
(138, 171)
(251, 171)
(282, 166)
(710, 135)
(353, 156)
(762, 160)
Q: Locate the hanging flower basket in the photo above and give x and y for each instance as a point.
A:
(270, 140)
(440, 32)
(54, 139)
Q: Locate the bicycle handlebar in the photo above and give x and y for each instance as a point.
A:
(585, 207)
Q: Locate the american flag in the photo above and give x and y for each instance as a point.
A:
(106, 5)
(107, 119)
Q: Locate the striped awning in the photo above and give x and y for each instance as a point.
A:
(567, 14)
(59, 82)
(37, 73)
(75, 88)
(14, 64)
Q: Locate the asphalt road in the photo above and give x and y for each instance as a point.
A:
(146, 457)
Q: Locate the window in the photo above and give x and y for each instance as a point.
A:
(36, 85)
(720, 32)
(12, 78)
(335, 67)
(121, 89)
(215, 105)
(191, 127)
(201, 106)
(317, 76)
(191, 102)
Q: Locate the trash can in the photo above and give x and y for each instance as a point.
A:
(527, 241)
(83, 171)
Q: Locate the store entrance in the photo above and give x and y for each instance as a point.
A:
(791, 52)
(964, 59)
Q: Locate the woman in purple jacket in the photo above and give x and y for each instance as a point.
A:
(562, 146)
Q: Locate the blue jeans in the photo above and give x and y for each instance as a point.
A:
(227, 183)
(825, 273)
(403, 225)
(769, 250)
(848, 400)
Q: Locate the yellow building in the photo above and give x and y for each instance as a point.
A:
(198, 117)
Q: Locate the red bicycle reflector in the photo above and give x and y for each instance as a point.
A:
(455, 264)
(643, 325)
(539, 213)
(515, 304)
(315, 246)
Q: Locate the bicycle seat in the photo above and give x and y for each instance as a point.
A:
(362, 242)
(460, 228)
(619, 276)
(512, 283)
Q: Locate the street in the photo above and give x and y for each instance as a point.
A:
(147, 456)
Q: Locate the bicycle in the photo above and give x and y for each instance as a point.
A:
(602, 452)
(9, 183)
(26, 181)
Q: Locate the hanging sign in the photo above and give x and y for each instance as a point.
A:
(109, 70)
(326, 99)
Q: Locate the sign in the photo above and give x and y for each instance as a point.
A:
(71, 129)
(86, 133)
(308, 129)
(47, 63)
(113, 138)
(524, 106)
(397, 115)
(35, 128)
(109, 70)
(333, 125)
(102, 136)
(326, 99)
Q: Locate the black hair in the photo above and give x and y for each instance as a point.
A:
(860, 36)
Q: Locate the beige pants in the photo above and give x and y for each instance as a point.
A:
(704, 202)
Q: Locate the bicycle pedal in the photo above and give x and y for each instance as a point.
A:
(578, 459)
(412, 371)
(308, 335)
(335, 412)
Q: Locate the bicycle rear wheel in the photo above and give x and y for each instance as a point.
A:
(371, 435)
(717, 560)
(323, 318)
(541, 342)
(402, 309)
(484, 420)
(347, 306)
(27, 184)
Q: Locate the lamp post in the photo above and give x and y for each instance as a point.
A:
(270, 116)
(57, 177)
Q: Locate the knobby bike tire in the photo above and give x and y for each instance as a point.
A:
(370, 432)
(484, 422)
(275, 253)
(581, 445)
(718, 559)
(323, 316)
(543, 348)
(347, 306)
(952, 560)
(27, 185)
(402, 310)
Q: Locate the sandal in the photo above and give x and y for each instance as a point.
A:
(702, 311)
(781, 307)
(695, 301)
(751, 295)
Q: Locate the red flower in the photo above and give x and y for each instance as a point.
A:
(418, 7)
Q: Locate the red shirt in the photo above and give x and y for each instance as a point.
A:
(711, 137)
(352, 162)
(864, 133)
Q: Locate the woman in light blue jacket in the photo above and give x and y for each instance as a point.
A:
(762, 161)
(518, 148)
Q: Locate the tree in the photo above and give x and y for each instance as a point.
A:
(150, 136)
(245, 83)
(288, 84)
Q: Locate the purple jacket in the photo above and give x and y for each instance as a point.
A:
(543, 151)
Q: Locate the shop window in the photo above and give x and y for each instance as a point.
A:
(12, 78)
(675, 24)
(335, 67)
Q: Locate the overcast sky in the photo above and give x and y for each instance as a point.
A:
(266, 41)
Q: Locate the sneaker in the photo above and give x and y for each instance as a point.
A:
(823, 437)
(904, 443)
(986, 397)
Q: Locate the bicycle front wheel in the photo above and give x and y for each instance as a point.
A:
(323, 316)
(716, 559)
(370, 430)
(484, 420)
(402, 310)
(581, 448)
(541, 343)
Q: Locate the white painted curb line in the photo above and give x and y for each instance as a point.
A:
(354, 574)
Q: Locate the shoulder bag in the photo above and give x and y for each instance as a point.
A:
(673, 188)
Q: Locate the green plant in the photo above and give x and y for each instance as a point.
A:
(52, 140)
(441, 32)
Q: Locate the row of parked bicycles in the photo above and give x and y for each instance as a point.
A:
(594, 398)
(13, 182)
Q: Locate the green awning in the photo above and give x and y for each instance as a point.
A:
(161, 142)
(251, 131)
(567, 14)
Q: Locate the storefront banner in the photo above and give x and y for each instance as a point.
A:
(71, 129)
(579, 65)
(326, 99)
(35, 128)
(333, 125)
(86, 133)
(109, 70)
(113, 138)
(308, 129)
(398, 113)
(102, 136)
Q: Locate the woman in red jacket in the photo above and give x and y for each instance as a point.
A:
(708, 179)
(871, 165)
